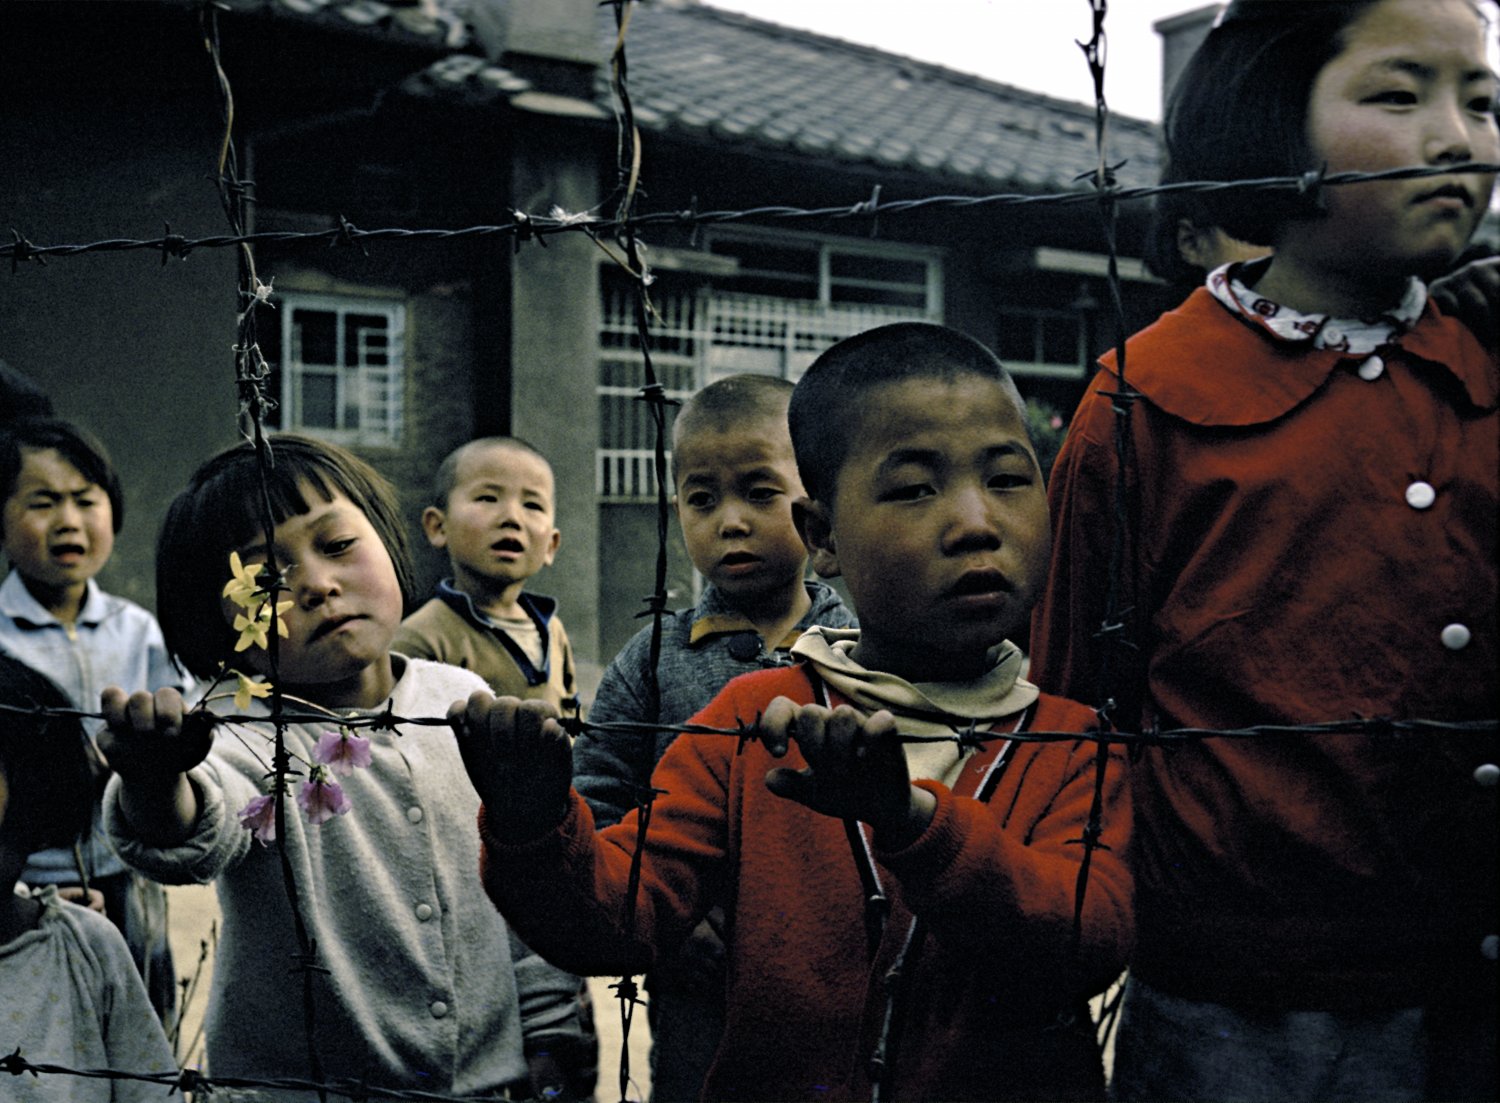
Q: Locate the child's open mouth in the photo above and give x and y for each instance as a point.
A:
(509, 547)
(980, 583)
(739, 562)
(68, 553)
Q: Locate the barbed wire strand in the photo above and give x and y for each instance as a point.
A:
(1095, 53)
(654, 395)
(964, 735)
(251, 373)
(529, 226)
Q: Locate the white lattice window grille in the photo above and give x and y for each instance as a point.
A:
(342, 368)
(787, 301)
(1045, 343)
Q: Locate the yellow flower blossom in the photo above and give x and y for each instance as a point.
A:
(244, 587)
(249, 688)
(253, 629)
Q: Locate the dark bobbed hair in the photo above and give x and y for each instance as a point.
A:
(1239, 109)
(732, 402)
(826, 405)
(46, 765)
(446, 477)
(221, 511)
(75, 444)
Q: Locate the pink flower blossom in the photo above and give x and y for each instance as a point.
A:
(342, 752)
(260, 817)
(321, 797)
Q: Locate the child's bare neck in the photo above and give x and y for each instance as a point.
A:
(369, 689)
(63, 602)
(1338, 295)
(774, 615)
(502, 602)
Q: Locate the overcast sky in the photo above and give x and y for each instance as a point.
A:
(1029, 43)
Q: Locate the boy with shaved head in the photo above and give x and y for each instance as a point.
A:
(900, 902)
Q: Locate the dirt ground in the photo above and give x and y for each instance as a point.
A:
(193, 911)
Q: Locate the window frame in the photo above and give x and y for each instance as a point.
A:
(388, 430)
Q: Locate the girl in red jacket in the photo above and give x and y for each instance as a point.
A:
(1312, 470)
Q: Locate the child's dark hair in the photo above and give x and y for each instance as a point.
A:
(1239, 110)
(46, 765)
(446, 477)
(221, 511)
(826, 404)
(735, 400)
(76, 445)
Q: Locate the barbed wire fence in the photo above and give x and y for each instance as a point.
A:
(618, 236)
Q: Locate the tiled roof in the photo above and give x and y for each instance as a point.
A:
(436, 24)
(720, 77)
(730, 78)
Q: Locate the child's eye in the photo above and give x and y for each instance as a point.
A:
(1398, 97)
(1007, 480)
(1483, 105)
(486, 498)
(763, 494)
(342, 544)
(700, 499)
(909, 493)
(536, 506)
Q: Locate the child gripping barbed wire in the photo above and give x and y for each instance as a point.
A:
(900, 917)
(420, 983)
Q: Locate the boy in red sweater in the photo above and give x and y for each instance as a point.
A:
(961, 978)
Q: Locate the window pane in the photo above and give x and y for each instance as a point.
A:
(318, 399)
(1060, 340)
(1016, 340)
(880, 296)
(317, 336)
(366, 341)
(862, 266)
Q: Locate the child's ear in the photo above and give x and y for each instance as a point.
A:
(553, 544)
(433, 521)
(814, 521)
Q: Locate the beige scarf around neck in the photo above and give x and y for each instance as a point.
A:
(921, 708)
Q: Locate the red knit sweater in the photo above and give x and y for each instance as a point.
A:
(994, 884)
(1291, 567)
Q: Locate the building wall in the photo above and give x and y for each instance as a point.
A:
(554, 319)
(137, 352)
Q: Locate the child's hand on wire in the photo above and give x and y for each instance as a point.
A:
(1472, 294)
(855, 768)
(519, 760)
(152, 737)
(152, 741)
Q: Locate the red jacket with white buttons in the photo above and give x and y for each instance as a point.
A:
(1313, 538)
